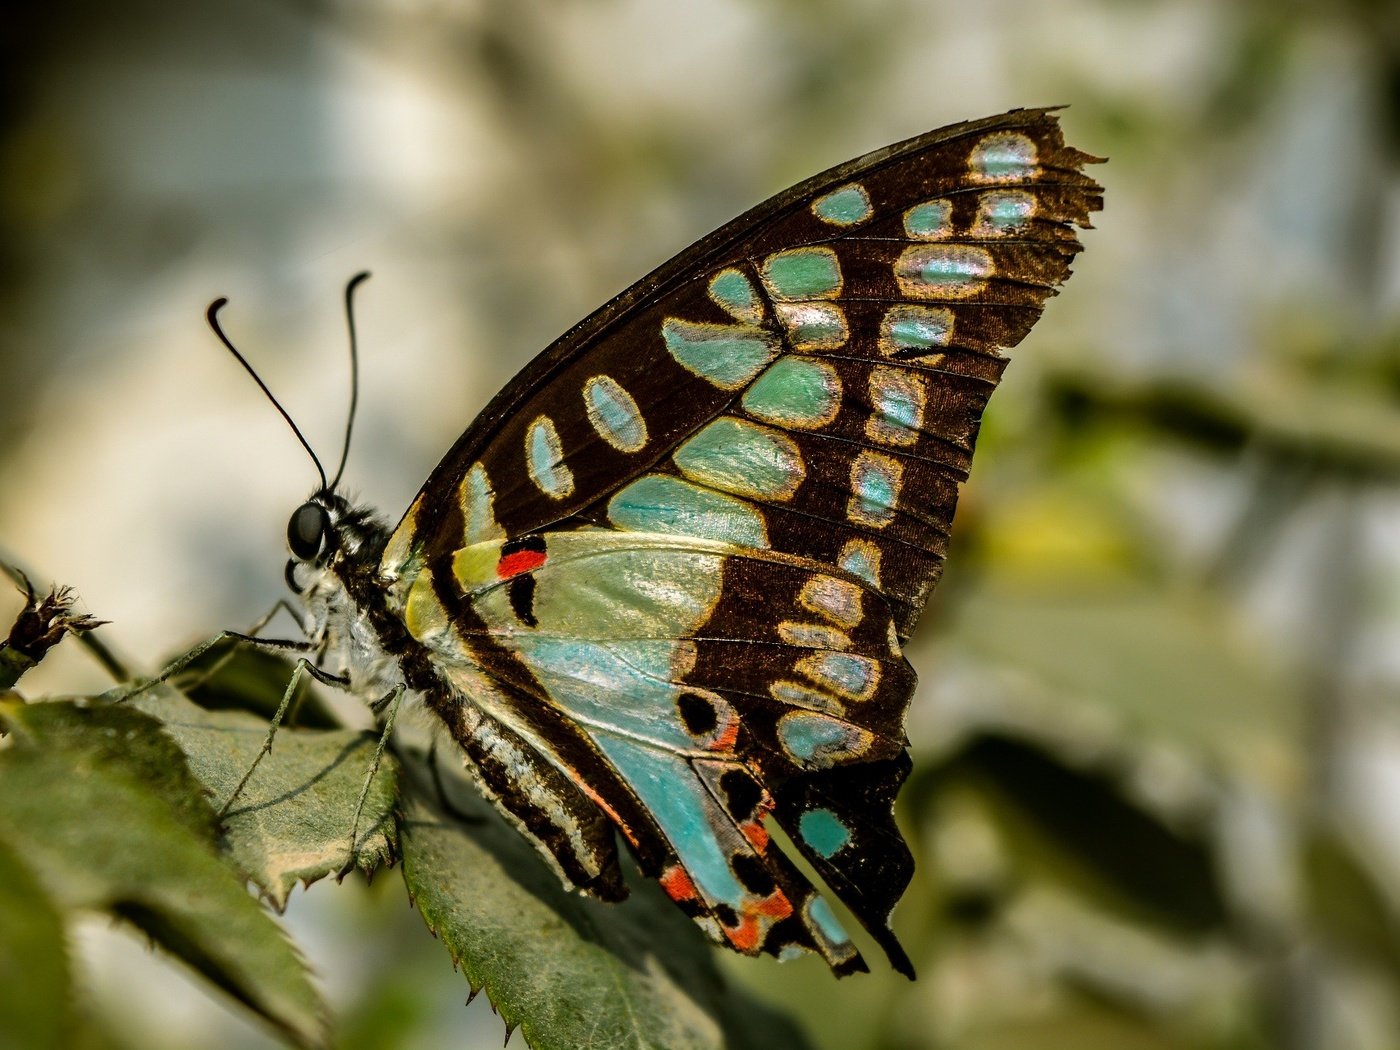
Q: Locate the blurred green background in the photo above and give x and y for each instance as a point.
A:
(1156, 800)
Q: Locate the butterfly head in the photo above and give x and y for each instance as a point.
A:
(328, 534)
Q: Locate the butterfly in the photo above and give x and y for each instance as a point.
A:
(657, 591)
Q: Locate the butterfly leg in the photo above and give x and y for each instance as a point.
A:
(388, 702)
(283, 645)
(302, 667)
(252, 632)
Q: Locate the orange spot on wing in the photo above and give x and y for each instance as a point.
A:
(726, 740)
(745, 935)
(757, 835)
(677, 884)
(776, 905)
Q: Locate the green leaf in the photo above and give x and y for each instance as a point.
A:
(292, 821)
(120, 739)
(99, 841)
(570, 972)
(35, 983)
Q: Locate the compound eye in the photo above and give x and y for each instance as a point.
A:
(308, 530)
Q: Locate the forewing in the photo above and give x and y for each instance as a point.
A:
(807, 379)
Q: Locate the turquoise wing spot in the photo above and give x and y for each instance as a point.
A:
(852, 676)
(814, 325)
(795, 392)
(861, 558)
(667, 504)
(803, 273)
(812, 635)
(943, 271)
(837, 600)
(825, 920)
(479, 507)
(743, 458)
(544, 458)
(898, 397)
(1005, 156)
(729, 356)
(818, 741)
(614, 414)
(910, 330)
(875, 484)
(1003, 211)
(845, 206)
(824, 832)
(734, 292)
(929, 221)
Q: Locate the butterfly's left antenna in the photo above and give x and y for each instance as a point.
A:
(212, 316)
(355, 282)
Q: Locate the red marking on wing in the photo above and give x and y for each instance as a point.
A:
(745, 935)
(726, 739)
(677, 884)
(520, 561)
(774, 907)
(757, 835)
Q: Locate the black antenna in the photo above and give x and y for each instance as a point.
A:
(212, 316)
(355, 282)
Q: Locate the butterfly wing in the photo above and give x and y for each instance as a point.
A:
(746, 467)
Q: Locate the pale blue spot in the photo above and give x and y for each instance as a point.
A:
(1005, 156)
(813, 326)
(735, 292)
(824, 831)
(802, 273)
(875, 480)
(818, 740)
(943, 271)
(743, 458)
(820, 912)
(909, 329)
(900, 407)
(667, 504)
(851, 675)
(478, 508)
(898, 397)
(614, 414)
(930, 220)
(726, 355)
(877, 490)
(795, 391)
(843, 207)
(1002, 210)
(860, 559)
(544, 459)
